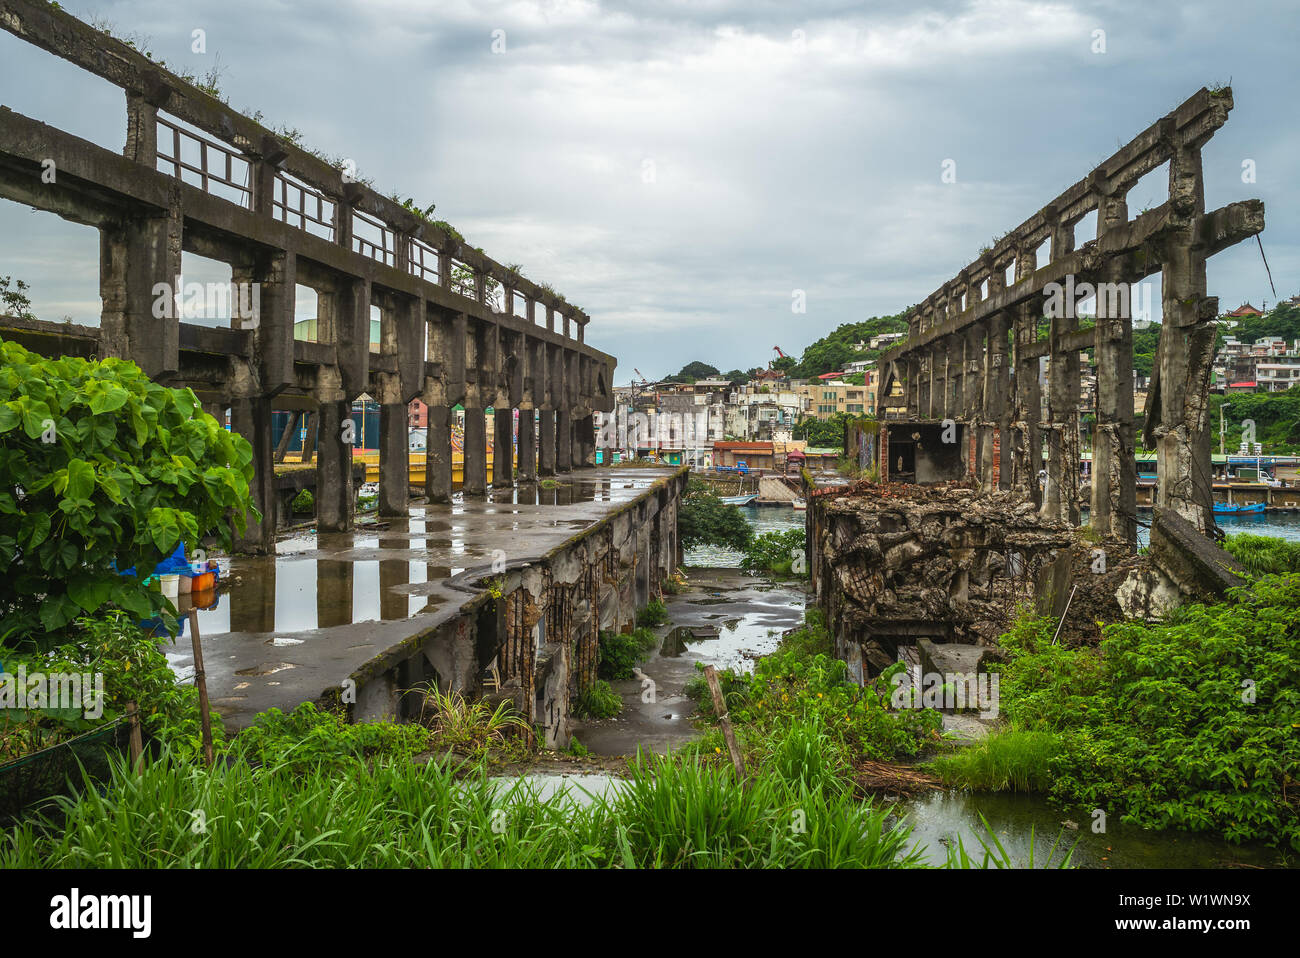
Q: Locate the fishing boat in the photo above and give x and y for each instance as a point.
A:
(800, 504)
(1235, 509)
(740, 500)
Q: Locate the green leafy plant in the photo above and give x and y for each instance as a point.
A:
(598, 701)
(776, 553)
(102, 469)
(704, 519)
(655, 613)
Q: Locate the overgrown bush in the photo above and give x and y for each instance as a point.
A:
(101, 469)
(304, 501)
(598, 701)
(777, 553)
(655, 613)
(1190, 724)
(309, 737)
(704, 519)
(621, 653)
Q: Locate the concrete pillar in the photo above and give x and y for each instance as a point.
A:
(1114, 470)
(475, 452)
(546, 442)
(1028, 395)
(563, 441)
(136, 256)
(503, 442)
(527, 445)
(584, 443)
(995, 466)
(1186, 355)
(335, 436)
(1061, 493)
(437, 469)
(250, 417)
(311, 425)
(394, 460)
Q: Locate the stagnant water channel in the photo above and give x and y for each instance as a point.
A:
(750, 614)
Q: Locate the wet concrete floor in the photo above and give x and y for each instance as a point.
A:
(749, 614)
(287, 627)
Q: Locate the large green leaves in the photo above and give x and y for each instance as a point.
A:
(102, 469)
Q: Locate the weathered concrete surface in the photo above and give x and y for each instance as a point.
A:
(954, 365)
(403, 602)
(1184, 566)
(894, 563)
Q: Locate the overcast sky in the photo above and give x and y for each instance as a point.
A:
(679, 169)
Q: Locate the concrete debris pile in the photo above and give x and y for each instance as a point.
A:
(895, 562)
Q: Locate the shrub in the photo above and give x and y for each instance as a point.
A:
(1190, 723)
(654, 614)
(704, 519)
(304, 501)
(777, 553)
(102, 469)
(309, 737)
(619, 654)
(598, 701)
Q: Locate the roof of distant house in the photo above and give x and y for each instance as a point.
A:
(1235, 385)
(1245, 309)
(830, 375)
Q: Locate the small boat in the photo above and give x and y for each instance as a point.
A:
(740, 500)
(799, 504)
(1234, 509)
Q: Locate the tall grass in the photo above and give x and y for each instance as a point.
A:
(1009, 761)
(670, 813)
(1264, 555)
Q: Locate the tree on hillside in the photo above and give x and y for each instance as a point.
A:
(737, 376)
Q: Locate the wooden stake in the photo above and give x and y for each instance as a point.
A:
(724, 719)
(137, 743)
(201, 680)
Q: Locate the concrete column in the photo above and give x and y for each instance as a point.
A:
(563, 441)
(1061, 493)
(437, 469)
(972, 390)
(1114, 470)
(997, 387)
(475, 452)
(250, 417)
(394, 460)
(1028, 399)
(527, 445)
(503, 441)
(546, 442)
(135, 257)
(1186, 356)
(335, 497)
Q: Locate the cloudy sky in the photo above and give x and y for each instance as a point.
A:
(679, 168)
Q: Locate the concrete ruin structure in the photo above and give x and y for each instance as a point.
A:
(200, 177)
(967, 377)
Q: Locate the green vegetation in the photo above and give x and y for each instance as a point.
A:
(693, 371)
(390, 813)
(1188, 724)
(704, 519)
(654, 614)
(133, 670)
(777, 553)
(304, 501)
(1264, 555)
(598, 701)
(823, 433)
(311, 738)
(102, 469)
(830, 353)
(620, 653)
(1276, 417)
(800, 700)
(14, 300)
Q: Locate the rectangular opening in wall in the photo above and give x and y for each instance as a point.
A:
(306, 314)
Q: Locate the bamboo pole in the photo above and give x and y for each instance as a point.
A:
(724, 719)
(201, 680)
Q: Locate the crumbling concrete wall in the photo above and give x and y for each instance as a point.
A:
(893, 564)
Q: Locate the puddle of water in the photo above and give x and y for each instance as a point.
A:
(938, 818)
